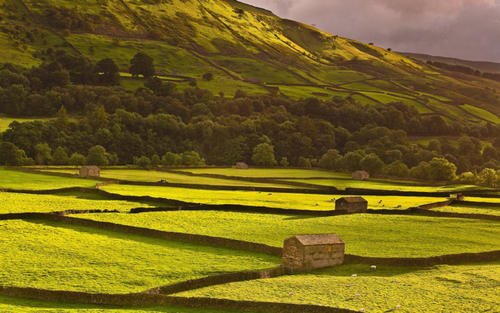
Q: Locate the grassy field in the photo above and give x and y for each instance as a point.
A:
(367, 235)
(22, 203)
(62, 257)
(267, 173)
(274, 200)
(382, 185)
(15, 305)
(156, 176)
(29, 181)
(467, 209)
(466, 288)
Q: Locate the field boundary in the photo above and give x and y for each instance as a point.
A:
(144, 299)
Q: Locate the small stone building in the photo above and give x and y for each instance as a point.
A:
(309, 252)
(361, 175)
(351, 205)
(457, 196)
(242, 166)
(90, 171)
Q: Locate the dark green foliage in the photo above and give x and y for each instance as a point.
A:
(107, 72)
(142, 64)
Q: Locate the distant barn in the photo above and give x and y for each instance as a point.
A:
(242, 166)
(90, 171)
(361, 175)
(309, 252)
(351, 205)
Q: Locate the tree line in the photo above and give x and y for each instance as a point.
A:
(98, 122)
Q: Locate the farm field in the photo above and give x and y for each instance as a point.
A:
(23, 203)
(267, 173)
(382, 235)
(465, 288)
(11, 304)
(272, 200)
(156, 176)
(29, 181)
(62, 257)
(41, 253)
(6, 121)
(469, 209)
(382, 185)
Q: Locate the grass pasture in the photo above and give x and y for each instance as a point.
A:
(272, 200)
(6, 121)
(32, 181)
(28, 203)
(12, 305)
(364, 234)
(61, 257)
(465, 288)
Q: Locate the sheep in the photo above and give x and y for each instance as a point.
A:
(397, 306)
(354, 275)
(357, 295)
(291, 293)
(362, 310)
(373, 267)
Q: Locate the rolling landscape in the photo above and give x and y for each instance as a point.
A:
(209, 156)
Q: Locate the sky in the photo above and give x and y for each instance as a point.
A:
(468, 29)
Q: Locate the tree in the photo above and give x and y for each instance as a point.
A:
(372, 164)
(143, 162)
(155, 160)
(43, 154)
(397, 169)
(62, 118)
(77, 159)
(60, 157)
(440, 169)
(11, 155)
(284, 162)
(263, 155)
(192, 158)
(97, 156)
(108, 72)
(304, 162)
(142, 64)
(208, 76)
(330, 159)
(171, 159)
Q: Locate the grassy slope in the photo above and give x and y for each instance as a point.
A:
(367, 235)
(29, 181)
(467, 288)
(470, 209)
(57, 256)
(18, 305)
(274, 200)
(209, 36)
(266, 173)
(155, 176)
(22, 203)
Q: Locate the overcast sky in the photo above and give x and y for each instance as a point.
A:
(467, 29)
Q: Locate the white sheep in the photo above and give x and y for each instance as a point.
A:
(362, 310)
(357, 295)
(397, 306)
(373, 267)
(354, 275)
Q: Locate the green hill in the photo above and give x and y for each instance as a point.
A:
(244, 47)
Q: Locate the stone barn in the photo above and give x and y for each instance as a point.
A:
(309, 252)
(242, 166)
(457, 196)
(351, 205)
(361, 175)
(90, 171)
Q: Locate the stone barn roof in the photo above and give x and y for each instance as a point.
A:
(91, 167)
(320, 239)
(353, 199)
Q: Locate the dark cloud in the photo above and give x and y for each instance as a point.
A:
(459, 28)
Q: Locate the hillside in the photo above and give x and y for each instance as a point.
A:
(482, 66)
(246, 48)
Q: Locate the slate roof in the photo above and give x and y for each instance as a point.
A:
(352, 199)
(321, 239)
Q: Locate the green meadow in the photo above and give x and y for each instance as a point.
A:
(464, 288)
(470, 209)
(27, 203)
(11, 179)
(62, 257)
(265, 199)
(11, 304)
(364, 234)
(267, 173)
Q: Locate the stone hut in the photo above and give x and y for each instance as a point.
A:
(309, 252)
(351, 205)
(90, 171)
(458, 196)
(361, 175)
(242, 166)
